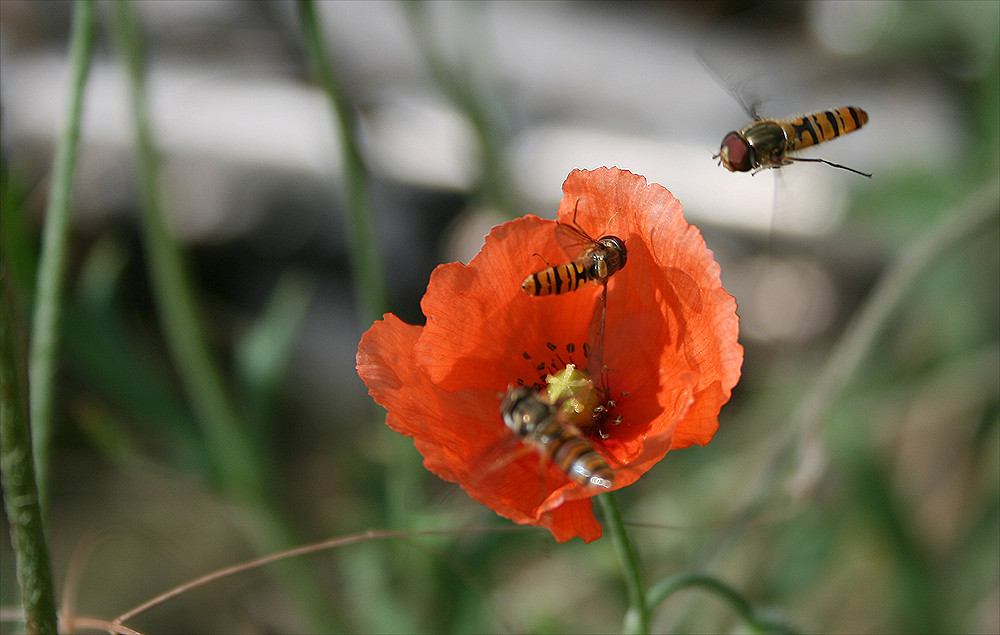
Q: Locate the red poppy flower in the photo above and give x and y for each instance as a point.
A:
(670, 350)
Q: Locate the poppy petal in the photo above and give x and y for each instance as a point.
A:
(665, 345)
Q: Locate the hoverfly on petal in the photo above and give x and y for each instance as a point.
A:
(594, 260)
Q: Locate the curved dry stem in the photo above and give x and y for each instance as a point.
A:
(97, 624)
(332, 543)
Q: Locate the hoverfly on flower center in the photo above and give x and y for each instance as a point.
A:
(553, 423)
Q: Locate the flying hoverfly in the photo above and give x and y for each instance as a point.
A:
(541, 426)
(767, 143)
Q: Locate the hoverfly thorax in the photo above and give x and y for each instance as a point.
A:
(523, 413)
(608, 258)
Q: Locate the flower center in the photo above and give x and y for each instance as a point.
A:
(573, 391)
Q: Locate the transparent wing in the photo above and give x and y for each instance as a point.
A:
(738, 90)
(573, 240)
(595, 339)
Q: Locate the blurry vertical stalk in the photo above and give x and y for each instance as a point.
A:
(472, 92)
(52, 262)
(366, 264)
(804, 451)
(17, 471)
(237, 460)
(954, 226)
(637, 614)
(371, 579)
(175, 300)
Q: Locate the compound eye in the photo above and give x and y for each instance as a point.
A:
(618, 245)
(736, 155)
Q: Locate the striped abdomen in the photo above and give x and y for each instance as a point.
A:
(536, 423)
(581, 462)
(597, 262)
(558, 279)
(819, 127)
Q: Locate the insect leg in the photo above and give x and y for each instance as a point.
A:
(831, 164)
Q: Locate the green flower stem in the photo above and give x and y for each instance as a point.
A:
(366, 265)
(662, 590)
(17, 471)
(235, 456)
(52, 262)
(637, 615)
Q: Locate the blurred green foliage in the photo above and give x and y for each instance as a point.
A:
(898, 533)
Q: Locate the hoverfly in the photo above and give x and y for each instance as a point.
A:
(597, 261)
(540, 425)
(766, 143)
(593, 260)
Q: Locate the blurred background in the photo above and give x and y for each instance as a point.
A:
(884, 516)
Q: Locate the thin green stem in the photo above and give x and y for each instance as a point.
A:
(662, 590)
(637, 614)
(17, 470)
(52, 261)
(236, 458)
(230, 447)
(471, 92)
(366, 264)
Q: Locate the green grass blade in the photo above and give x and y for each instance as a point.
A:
(366, 264)
(238, 461)
(17, 471)
(663, 589)
(233, 455)
(52, 262)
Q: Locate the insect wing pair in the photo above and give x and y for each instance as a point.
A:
(541, 426)
(593, 260)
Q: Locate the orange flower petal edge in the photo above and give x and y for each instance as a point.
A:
(670, 349)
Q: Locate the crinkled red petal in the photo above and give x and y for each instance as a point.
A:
(458, 435)
(670, 346)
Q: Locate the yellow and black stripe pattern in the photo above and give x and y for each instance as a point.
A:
(536, 423)
(768, 143)
(823, 126)
(558, 279)
(596, 262)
